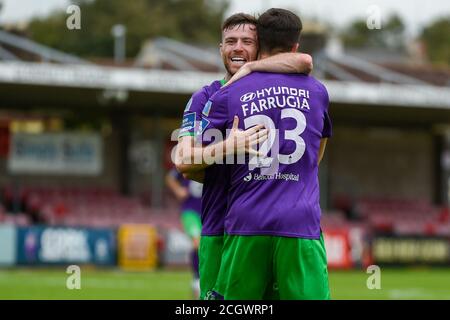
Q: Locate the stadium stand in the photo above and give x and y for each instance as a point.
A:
(404, 217)
(88, 207)
(389, 116)
(101, 207)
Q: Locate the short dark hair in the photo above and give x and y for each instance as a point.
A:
(278, 30)
(238, 19)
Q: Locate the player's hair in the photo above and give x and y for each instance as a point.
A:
(239, 19)
(278, 30)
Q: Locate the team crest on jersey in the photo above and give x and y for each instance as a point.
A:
(207, 108)
(188, 105)
(213, 295)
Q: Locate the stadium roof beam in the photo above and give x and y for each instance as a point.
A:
(186, 82)
(47, 54)
(375, 70)
(151, 52)
(338, 72)
(6, 55)
(188, 51)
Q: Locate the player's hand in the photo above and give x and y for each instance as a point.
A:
(244, 141)
(242, 72)
(182, 194)
(198, 176)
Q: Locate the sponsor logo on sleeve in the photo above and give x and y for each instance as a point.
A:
(188, 124)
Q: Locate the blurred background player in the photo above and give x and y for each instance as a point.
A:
(189, 194)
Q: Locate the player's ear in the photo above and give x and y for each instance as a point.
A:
(220, 48)
(295, 47)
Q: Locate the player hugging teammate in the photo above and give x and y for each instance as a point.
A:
(261, 237)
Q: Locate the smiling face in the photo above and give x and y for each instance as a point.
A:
(239, 45)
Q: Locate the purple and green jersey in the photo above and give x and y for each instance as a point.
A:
(215, 184)
(192, 114)
(193, 201)
(277, 194)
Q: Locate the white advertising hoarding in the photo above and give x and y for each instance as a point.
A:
(56, 153)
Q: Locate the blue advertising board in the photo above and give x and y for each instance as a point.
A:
(66, 245)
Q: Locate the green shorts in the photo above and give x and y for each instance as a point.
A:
(252, 264)
(210, 259)
(192, 224)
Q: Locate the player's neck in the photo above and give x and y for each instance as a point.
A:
(264, 55)
(227, 77)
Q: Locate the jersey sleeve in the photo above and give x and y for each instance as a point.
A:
(192, 113)
(175, 174)
(215, 115)
(327, 130)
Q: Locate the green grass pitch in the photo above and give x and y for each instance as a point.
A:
(116, 284)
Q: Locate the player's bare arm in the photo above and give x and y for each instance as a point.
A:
(288, 62)
(178, 190)
(197, 176)
(191, 158)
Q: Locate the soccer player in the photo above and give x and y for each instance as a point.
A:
(239, 46)
(189, 194)
(272, 224)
